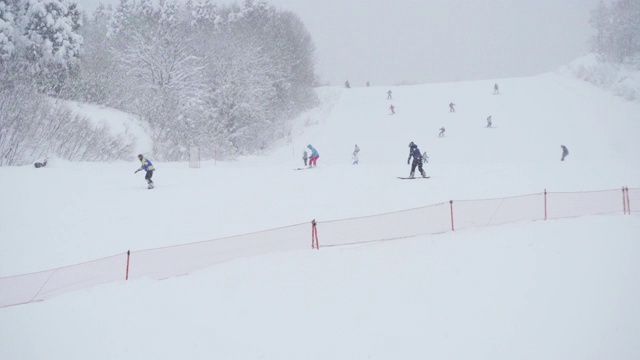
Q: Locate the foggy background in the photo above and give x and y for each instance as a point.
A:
(420, 41)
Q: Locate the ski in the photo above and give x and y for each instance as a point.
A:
(413, 178)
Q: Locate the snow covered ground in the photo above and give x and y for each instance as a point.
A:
(562, 289)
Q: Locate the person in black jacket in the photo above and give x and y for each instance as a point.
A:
(565, 152)
(417, 160)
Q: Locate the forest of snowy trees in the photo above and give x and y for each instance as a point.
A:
(227, 79)
(615, 60)
(617, 28)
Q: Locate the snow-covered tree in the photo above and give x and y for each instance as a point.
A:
(7, 30)
(617, 28)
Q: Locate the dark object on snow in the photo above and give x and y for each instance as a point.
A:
(40, 164)
(565, 152)
(347, 85)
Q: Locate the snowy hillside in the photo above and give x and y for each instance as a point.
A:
(555, 290)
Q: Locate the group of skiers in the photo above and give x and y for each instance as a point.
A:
(310, 160)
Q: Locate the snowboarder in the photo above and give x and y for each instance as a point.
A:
(495, 89)
(452, 107)
(425, 158)
(393, 109)
(565, 152)
(389, 95)
(148, 167)
(305, 156)
(41, 164)
(347, 85)
(489, 121)
(417, 160)
(441, 133)
(314, 156)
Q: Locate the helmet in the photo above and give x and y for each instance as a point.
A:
(140, 156)
(309, 146)
(411, 144)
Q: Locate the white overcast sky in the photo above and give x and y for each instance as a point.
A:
(390, 42)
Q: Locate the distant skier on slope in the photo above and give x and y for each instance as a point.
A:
(495, 89)
(355, 159)
(305, 156)
(347, 85)
(389, 95)
(393, 109)
(149, 168)
(441, 133)
(452, 107)
(314, 156)
(565, 152)
(417, 160)
(489, 121)
(425, 158)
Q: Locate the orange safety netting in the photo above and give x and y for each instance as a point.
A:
(178, 260)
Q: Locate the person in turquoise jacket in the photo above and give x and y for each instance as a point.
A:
(148, 167)
(314, 156)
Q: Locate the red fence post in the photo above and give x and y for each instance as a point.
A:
(545, 204)
(451, 208)
(314, 235)
(126, 277)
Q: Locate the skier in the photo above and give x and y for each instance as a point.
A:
(425, 158)
(565, 152)
(41, 164)
(367, 84)
(389, 95)
(355, 159)
(489, 121)
(347, 85)
(441, 133)
(451, 107)
(314, 156)
(305, 156)
(417, 160)
(495, 89)
(392, 108)
(148, 167)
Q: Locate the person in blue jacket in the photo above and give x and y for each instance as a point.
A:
(314, 156)
(417, 160)
(148, 167)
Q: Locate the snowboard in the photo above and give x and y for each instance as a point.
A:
(414, 178)
(303, 168)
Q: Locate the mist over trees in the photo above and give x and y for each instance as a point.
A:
(617, 27)
(40, 51)
(227, 79)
